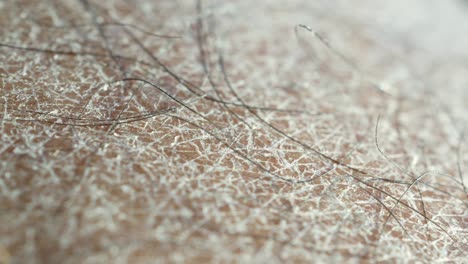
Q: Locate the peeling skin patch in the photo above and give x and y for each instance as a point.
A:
(208, 131)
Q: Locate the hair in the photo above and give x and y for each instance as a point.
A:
(194, 131)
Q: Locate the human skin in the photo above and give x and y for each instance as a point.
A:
(218, 131)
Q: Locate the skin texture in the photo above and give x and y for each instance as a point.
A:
(226, 131)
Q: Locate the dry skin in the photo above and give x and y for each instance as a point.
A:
(221, 131)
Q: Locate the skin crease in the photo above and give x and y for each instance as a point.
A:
(211, 131)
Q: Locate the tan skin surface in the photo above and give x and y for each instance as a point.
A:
(180, 131)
